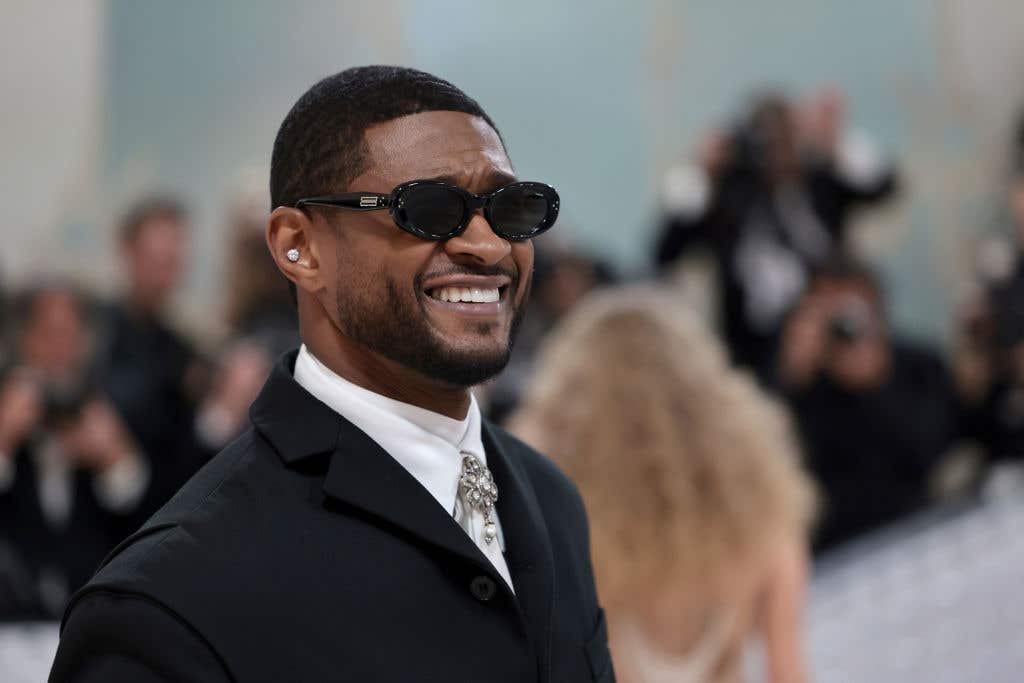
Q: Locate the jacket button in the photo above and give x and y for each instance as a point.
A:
(483, 588)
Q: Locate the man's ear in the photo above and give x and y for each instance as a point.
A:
(294, 249)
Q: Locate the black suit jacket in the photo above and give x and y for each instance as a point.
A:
(304, 552)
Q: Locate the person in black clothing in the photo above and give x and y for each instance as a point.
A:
(260, 307)
(369, 524)
(771, 201)
(990, 353)
(876, 415)
(70, 472)
(152, 373)
(261, 325)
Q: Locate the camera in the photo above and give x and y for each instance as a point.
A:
(851, 322)
(63, 404)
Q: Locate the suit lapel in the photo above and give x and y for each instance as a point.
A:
(361, 473)
(529, 554)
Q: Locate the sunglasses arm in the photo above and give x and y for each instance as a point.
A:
(357, 201)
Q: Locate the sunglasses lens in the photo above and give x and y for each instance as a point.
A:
(523, 210)
(432, 210)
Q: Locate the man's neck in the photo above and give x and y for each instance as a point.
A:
(384, 376)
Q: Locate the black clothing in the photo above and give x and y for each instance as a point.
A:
(1006, 302)
(51, 560)
(997, 422)
(144, 369)
(303, 551)
(751, 228)
(872, 451)
(273, 329)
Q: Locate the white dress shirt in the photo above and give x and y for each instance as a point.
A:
(427, 444)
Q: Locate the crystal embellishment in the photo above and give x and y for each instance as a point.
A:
(478, 489)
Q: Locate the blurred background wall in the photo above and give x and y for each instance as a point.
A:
(104, 100)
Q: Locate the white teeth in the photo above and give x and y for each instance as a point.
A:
(467, 295)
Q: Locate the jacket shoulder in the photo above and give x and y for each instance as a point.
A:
(123, 636)
(166, 547)
(201, 491)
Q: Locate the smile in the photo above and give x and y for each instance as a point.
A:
(465, 294)
(476, 295)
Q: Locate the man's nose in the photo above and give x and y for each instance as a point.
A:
(478, 243)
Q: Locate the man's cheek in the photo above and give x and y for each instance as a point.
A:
(526, 288)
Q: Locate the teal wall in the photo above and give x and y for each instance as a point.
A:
(595, 97)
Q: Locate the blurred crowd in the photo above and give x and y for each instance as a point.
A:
(106, 408)
(887, 425)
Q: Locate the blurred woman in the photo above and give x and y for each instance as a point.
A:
(699, 511)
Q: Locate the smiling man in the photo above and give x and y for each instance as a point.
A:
(370, 526)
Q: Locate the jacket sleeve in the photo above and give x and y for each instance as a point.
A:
(111, 636)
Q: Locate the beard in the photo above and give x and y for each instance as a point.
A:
(398, 329)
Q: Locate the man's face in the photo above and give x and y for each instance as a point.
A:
(858, 355)
(155, 258)
(388, 285)
(54, 339)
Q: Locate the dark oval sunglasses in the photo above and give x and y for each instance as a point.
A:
(435, 210)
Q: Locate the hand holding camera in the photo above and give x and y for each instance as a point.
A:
(97, 438)
(837, 333)
(21, 410)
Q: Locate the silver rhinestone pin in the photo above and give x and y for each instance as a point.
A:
(478, 488)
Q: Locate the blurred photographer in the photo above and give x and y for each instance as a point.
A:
(770, 199)
(876, 415)
(151, 372)
(990, 348)
(69, 468)
(261, 325)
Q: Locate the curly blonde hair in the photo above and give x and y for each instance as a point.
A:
(689, 472)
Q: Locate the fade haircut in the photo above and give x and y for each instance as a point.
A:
(320, 146)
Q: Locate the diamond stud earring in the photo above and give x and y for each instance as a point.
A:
(293, 255)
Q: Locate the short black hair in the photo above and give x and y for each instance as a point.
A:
(320, 145)
(151, 208)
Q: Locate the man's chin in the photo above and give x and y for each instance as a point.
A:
(463, 367)
(455, 350)
(466, 332)
(463, 375)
